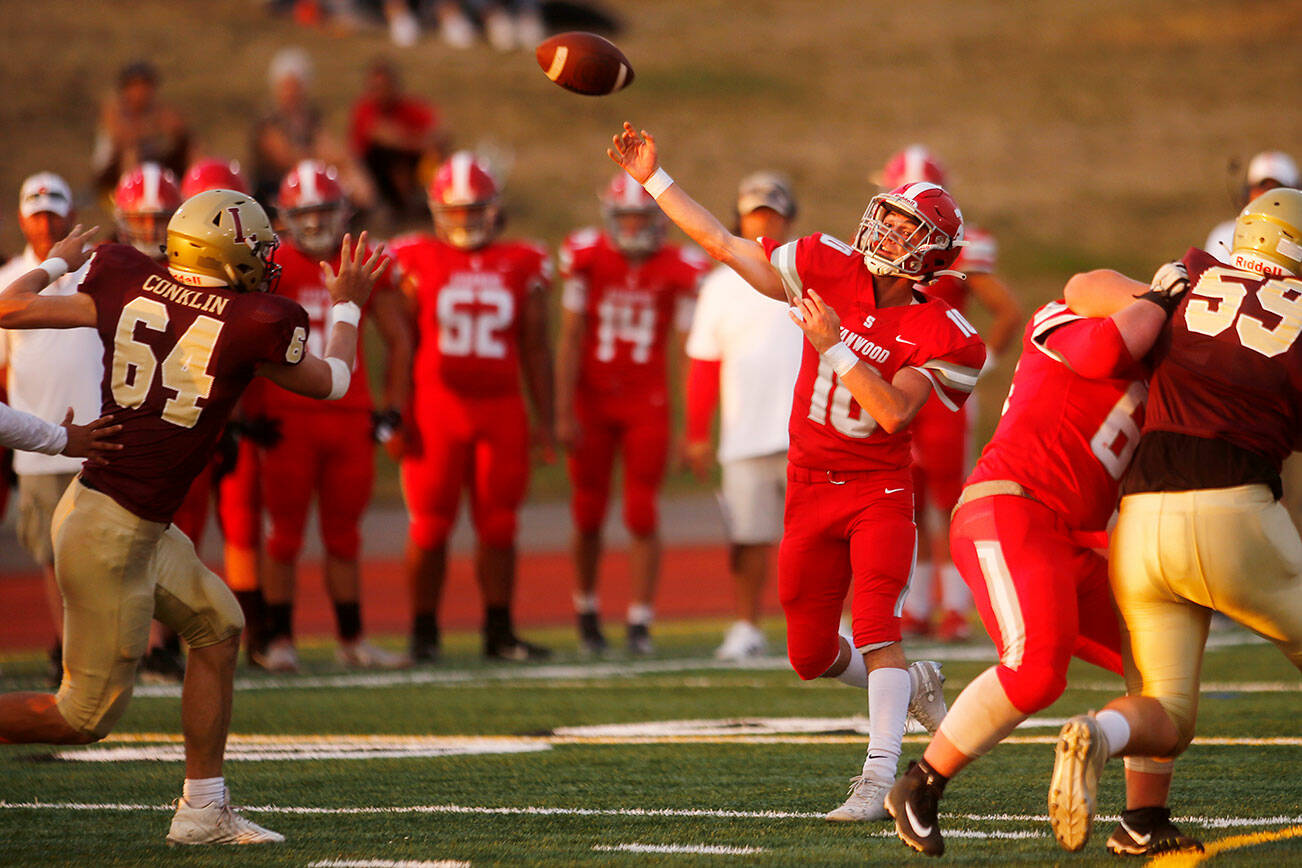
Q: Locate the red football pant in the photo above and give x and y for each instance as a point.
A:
(328, 453)
(1043, 597)
(460, 442)
(239, 499)
(940, 455)
(860, 531)
(639, 430)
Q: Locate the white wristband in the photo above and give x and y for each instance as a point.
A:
(658, 183)
(340, 377)
(54, 268)
(841, 357)
(345, 311)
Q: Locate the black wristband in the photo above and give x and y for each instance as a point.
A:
(1166, 302)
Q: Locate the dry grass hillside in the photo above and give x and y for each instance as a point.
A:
(1083, 134)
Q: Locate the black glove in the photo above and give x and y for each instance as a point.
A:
(1169, 285)
(384, 424)
(263, 431)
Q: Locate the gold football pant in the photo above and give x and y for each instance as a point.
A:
(117, 572)
(1176, 557)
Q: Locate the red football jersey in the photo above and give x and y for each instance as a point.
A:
(176, 359)
(469, 306)
(1228, 365)
(629, 307)
(301, 280)
(1067, 439)
(977, 256)
(829, 430)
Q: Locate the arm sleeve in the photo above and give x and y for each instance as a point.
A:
(702, 397)
(1092, 348)
(28, 433)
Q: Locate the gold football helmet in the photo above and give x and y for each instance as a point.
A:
(1268, 234)
(222, 238)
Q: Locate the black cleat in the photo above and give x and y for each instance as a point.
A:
(1148, 832)
(590, 639)
(639, 640)
(515, 649)
(161, 666)
(54, 671)
(423, 650)
(913, 802)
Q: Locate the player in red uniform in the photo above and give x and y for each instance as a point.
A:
(480, 307)
(181, 343)
(1023, 538)
(941, 436)
(626, 311)
(849, 509)
(324, 449)
(1223, 414)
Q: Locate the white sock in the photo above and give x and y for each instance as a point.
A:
(204, 791)
(918, 603)
(855, 674)
(888, 710)
(585, 603)
(639, 613)
(954, 591)
(1116, 729)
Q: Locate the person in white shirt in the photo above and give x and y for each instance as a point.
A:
(744, 349)
(1266, 171)
(49, 371)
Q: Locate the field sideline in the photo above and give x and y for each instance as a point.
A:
(671, 760)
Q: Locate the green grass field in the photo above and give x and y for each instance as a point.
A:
(501, 765)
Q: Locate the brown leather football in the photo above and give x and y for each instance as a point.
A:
(584, 63)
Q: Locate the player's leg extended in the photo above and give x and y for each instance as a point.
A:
(645, 447)
(590, 464)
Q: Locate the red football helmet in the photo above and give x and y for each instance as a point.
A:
(927, 248)
(145, 199)
(634, 222)
(313, 206)
(463, 197)
(914, 163)
(213, 174)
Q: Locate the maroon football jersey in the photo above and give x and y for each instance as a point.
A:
(1228, 365)
(1066, 439)
(829, 430)
(629, 307)
(176, 359)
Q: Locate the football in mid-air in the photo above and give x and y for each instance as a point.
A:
(584, 63)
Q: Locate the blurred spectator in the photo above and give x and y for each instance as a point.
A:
(1266, 171)
(135, 127)
(291, 131)
(395, 135)
(49, 370)
(507, 24)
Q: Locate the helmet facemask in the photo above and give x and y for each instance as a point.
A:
(317, 229)
(466, 227)
(635, 231)
(145, 230)
(895, 247)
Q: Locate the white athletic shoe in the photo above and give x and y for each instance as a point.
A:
(361, 654)
(926, 699)
(1073, 790)
(866, 801)
(280, 656)
(216, 824)
(743, 640)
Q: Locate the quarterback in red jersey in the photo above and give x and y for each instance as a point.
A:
(181, 343)
(480, 308)
(324, 449)
(626, 311)
(1022, 536)
(1223, 414)
(849, 508)
(942, 436)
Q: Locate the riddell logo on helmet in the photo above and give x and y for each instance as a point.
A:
(1247, 262)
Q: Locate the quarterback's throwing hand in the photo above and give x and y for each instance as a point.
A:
(635, 152)
(73, 248)
(357, 271)
(817, 320)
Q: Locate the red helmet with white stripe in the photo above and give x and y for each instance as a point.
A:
(914, 231)
(313, 206)
(634, 222)
(914, 163)
(145, 199)
(213, 174)
(463, 198)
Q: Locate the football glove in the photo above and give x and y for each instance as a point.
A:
(384, 424)
(1169, 284)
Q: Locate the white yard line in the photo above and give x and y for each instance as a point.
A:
(387, 863)
(704, 849)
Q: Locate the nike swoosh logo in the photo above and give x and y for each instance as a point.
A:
(923, 831)
(894, 490)
(903, 341)
(1141, 840)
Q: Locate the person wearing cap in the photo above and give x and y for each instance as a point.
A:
(49, 370)
(1266, 171)
(135, 127)
(744, 349)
